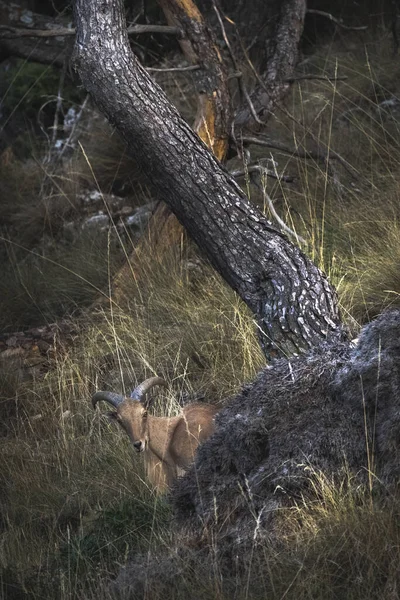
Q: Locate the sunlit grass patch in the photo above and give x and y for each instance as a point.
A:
(74, 502)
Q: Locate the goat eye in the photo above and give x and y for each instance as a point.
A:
(145, 413)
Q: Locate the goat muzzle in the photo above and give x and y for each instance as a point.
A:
(139, 446)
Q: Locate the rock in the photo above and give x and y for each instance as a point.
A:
(70, 119)
(93, 196)
(99, 222)
(125, 210)
(140, 216)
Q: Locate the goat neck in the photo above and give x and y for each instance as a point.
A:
(160, 432)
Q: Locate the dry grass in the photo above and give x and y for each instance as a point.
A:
(74, 498)
(343, 546)
(73, 501)
(346, 208)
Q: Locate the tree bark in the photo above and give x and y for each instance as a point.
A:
(211, 124)
(294, 304)
(271, 31)
(283, 28)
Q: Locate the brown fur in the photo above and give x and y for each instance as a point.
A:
(169, 444)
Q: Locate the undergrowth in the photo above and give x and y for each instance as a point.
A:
(74, 505)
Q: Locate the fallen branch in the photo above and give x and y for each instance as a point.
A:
(264, 170)
(321, 13)
(173, 69)
(239, 74)
(8, 32)
(298, 153)
(309, 154)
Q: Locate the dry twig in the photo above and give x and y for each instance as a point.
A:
(173, 69)
(321, 13)
(264, 170)
(9, 32)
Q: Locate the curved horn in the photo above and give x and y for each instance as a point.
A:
(141, 390)
(110, 397)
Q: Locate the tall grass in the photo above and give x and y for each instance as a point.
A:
(74, 501)
(74, 504)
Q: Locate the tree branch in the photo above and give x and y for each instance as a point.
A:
(338, 22)
(8, 32)
(295, 306)
(297, 152)
(54, 51)
(260, 169)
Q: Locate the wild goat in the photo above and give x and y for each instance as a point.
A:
(168, 443)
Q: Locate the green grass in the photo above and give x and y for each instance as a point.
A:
(74, 504)
(74, 501)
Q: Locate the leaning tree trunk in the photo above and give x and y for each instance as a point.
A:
(212, 124)
(294, 304)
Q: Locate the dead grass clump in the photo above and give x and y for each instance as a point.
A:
(343, 545)
(39, 286)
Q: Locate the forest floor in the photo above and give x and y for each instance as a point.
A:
(74, 504)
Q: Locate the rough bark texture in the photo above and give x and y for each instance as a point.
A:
(211, 124)
(295, 306)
